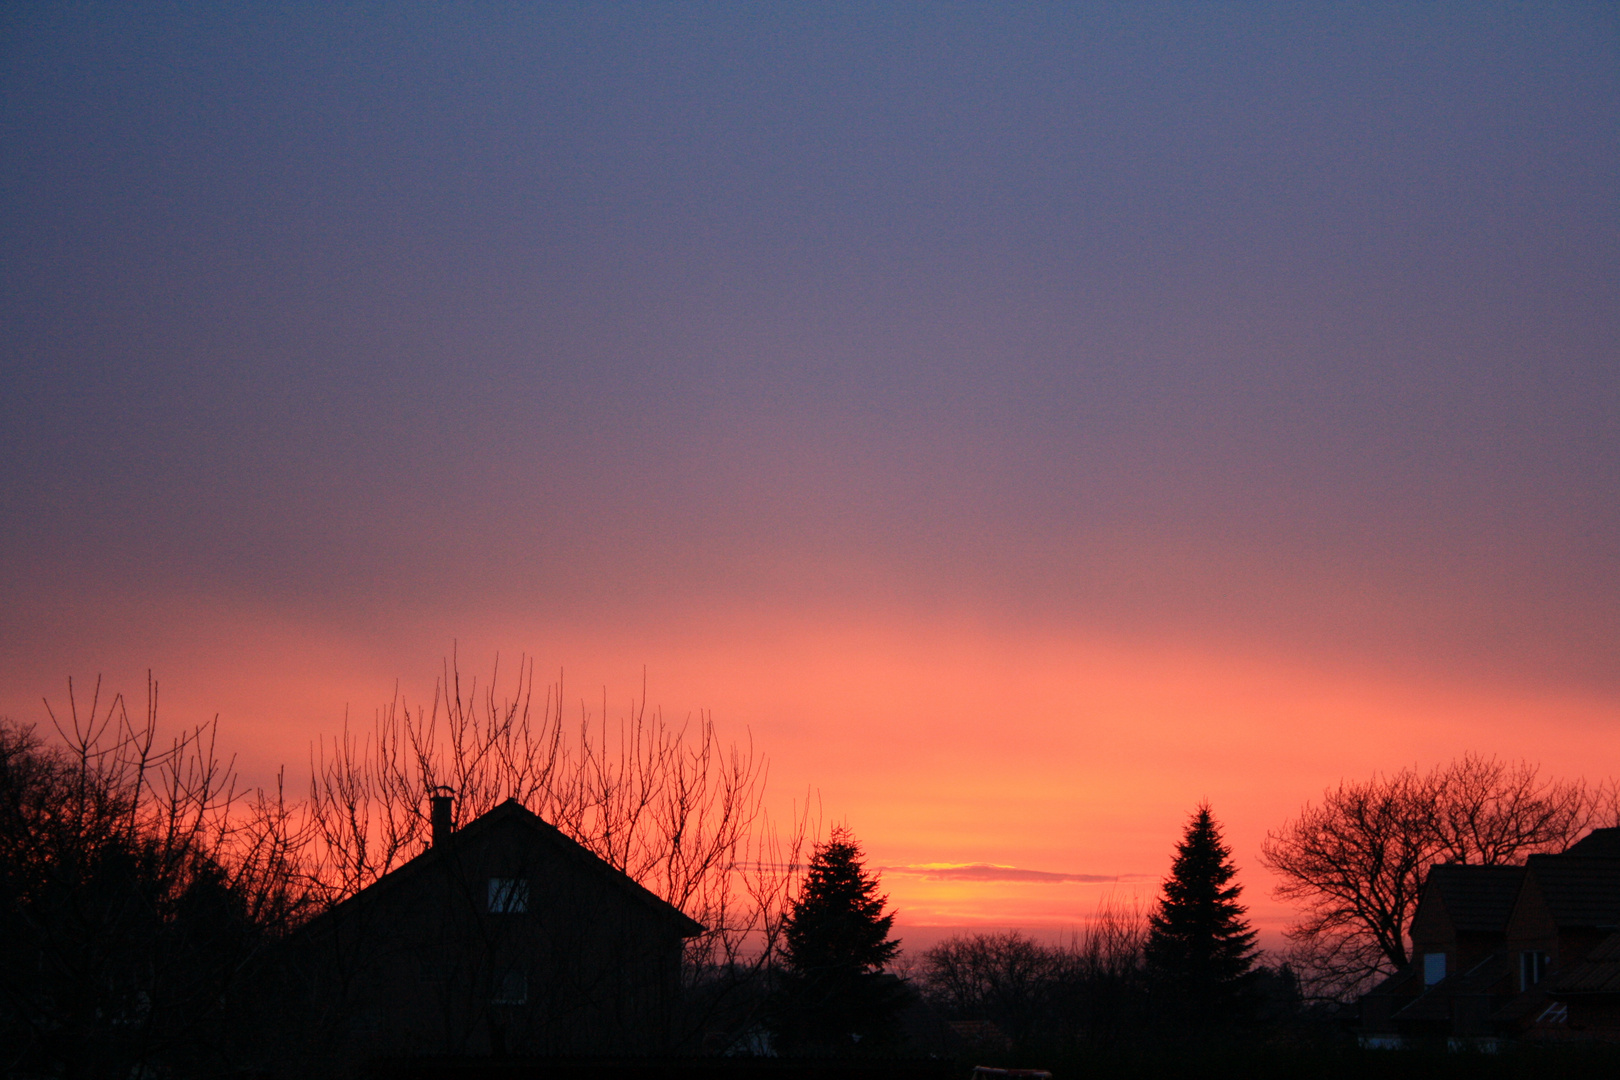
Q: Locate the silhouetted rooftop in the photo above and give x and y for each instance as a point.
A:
(512, 814)
(1579, 891)
(1478, 899)
(1598, 844)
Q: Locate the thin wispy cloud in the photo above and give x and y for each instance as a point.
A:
(997, 872)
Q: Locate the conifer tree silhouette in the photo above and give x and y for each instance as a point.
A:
(834, 994)
(1200, 948)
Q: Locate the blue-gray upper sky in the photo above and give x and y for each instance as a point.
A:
(1291, 323)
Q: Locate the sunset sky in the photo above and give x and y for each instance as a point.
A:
(1023, 421)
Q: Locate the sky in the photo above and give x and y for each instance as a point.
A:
(1021, 421)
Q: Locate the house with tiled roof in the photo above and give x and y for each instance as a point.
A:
(1528, 951)
(1460, 922)
(1462, 916)
(502, 937)
(1568, 909)
(1567, 905)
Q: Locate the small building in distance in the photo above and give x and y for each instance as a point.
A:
(503, 937)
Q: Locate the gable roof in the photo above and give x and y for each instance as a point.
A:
(513, 814)
(1477, 899)
(1578, 890)
(1597, 844)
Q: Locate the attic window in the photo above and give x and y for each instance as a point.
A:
(1532, 967)
(508, 896)
(1434, 967)
(513, 989)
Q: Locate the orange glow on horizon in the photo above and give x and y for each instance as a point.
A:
(942, 746)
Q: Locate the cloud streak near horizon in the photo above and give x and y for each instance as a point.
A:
(995, 872)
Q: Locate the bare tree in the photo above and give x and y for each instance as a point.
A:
(1355, 863)
(1109, 960)
(1494, 812)
(1008, 979)
(668, 803)
(137, 884)
(1090, 988)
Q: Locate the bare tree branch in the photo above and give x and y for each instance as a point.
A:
(1355, 863)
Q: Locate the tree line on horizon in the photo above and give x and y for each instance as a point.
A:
(141, 889)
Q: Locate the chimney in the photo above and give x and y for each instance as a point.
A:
(442, 827)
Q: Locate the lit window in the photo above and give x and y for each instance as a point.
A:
(508, 896)
(1434, 967)
(513, 989)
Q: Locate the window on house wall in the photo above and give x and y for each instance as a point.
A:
(1434, 967)
(512, 989)
(508, 896)
(1532, 967)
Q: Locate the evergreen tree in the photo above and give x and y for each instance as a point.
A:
(1200, 948)
(834, 994)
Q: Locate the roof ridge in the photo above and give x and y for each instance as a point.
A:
(507, 808)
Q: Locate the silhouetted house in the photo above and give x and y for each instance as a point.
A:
(1461, 921)
(1528, 952)
(503, 937)
(1462, 917)
(1568, 908)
